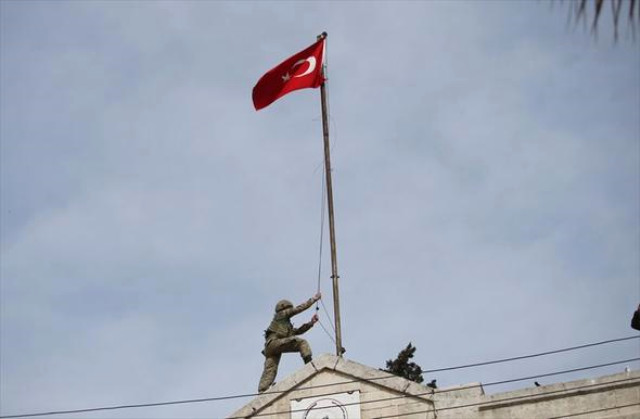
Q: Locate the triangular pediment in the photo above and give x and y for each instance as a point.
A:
(329, 374)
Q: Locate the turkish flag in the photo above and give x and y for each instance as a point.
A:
(300, 71)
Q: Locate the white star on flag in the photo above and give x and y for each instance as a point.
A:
(302, 71)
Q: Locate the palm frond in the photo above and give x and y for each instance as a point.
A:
(581, 10)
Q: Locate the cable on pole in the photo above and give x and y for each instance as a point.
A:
(327, 332)
(322, 210)
(326, 312)
(322, 218)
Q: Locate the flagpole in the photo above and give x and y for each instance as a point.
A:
(332, 232)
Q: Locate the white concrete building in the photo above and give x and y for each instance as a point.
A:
(336, 388)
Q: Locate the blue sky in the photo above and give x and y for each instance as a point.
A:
(486, 176)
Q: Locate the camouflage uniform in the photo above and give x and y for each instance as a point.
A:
(280, 337)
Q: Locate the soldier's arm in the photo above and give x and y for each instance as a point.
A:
(302, 307)
(300, 330)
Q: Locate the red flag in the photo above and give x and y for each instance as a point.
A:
(300, 71)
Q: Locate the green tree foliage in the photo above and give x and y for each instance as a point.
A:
(403, 368)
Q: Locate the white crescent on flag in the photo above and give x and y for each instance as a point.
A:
(312, 66)
(301, 71)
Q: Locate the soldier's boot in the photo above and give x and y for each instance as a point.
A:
(305, 350)
(262, 390)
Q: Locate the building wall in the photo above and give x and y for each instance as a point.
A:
(382, 395)
(613, 396)
(375, 400)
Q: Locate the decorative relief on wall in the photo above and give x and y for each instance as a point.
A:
(332, 406)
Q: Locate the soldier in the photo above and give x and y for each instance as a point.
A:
(280, 337)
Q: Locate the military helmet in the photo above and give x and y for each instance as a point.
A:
(283, 305)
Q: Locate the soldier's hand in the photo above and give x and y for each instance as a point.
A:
(317, 296)
(314, 319)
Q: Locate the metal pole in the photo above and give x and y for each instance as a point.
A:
(332, 233)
